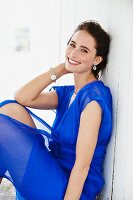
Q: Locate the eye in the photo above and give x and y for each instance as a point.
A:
(84, 50)
(72, 45)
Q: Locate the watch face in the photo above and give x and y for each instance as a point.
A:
(53, 77)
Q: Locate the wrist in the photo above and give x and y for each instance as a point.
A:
(58, 71)
(53, 75)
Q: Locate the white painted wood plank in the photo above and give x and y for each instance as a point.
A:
(67, 26)
(120, 24)
(112, 79)
(128, 192)
(87, 10)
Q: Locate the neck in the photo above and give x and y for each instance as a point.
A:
(81, 80)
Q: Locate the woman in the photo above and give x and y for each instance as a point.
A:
(71, 167)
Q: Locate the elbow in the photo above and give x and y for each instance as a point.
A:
(85, 169)
(20, 99)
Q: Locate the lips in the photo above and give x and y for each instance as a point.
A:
(73, 62)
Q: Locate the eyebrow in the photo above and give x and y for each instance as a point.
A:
(81, 45)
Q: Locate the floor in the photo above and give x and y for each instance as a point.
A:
(7, 191)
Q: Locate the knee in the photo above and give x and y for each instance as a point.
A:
(17, 112)
(11, 109)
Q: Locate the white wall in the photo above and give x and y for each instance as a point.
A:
(121, 79)
(43, 19)
(51, 23)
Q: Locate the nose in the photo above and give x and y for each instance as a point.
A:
(74, 54)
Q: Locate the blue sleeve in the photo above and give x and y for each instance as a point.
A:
(104, 99)
(60, 90)
(91, 96)
(101, 95)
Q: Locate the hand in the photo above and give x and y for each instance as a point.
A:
(61, 70)
(65, 69)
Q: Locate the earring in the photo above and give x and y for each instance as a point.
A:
(94, 67)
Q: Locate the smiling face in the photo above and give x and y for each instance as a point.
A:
(81, 53)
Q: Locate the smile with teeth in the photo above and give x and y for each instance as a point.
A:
(73, 61)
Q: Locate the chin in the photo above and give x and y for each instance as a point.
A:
(69, 68)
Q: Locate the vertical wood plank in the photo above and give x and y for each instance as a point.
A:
(128, 181)
(119, 71)
(67, 26)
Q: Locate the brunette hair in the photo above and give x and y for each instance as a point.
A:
(102, 39)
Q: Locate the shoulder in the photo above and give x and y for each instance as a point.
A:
(98, 92)
(100, 89)
(96, 100)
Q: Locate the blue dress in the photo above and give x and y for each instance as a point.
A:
(41, 172)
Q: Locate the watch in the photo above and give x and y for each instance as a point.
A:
(53, 76)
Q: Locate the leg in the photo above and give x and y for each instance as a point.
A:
(17, 112)
(12, 139)
(28, 163)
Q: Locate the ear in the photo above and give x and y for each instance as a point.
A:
(97, 60)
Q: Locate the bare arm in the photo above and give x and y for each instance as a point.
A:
(31, 94)
(87, 138)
